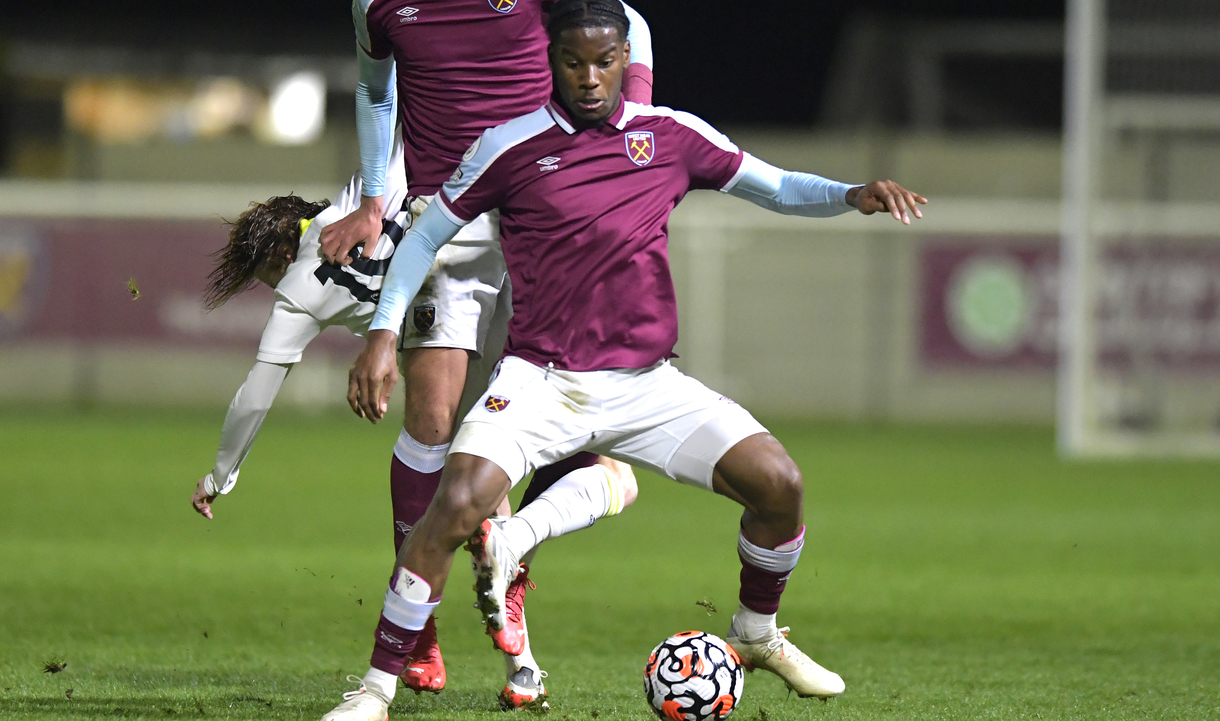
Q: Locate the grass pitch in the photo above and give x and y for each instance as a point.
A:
(947, 573)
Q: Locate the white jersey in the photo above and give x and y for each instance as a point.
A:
(315, 294)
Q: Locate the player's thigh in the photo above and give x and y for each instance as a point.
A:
(433, 383)
(522, 422)
(697, 427)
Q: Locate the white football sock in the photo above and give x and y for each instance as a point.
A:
(381, 682)
(417, 456)
(528, 559)
(750, 625)
(525, 659)
(574, 502)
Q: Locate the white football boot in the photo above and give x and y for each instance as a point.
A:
(779, 656)
(524, 688)
(363, 704)
(495, 567)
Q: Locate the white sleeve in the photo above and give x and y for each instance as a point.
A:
(245, 417)
(289, 329)
(639, 36)
(788, 192)
(375, 104)
(410, 265)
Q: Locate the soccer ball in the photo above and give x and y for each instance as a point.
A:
(693, 676)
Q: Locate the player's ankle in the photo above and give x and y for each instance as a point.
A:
(385, 684)
(751, 625)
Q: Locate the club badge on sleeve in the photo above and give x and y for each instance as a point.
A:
(495, 404)
(502, 6)
(640, 146)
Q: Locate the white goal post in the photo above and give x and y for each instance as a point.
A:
(1139, 363)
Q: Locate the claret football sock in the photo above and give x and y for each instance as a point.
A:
(764, 573)
(408, 604)
(572, 503)
(415, 473)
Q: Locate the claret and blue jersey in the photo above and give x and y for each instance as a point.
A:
(583, 223)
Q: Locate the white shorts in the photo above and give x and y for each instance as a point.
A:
(655, 418)
(465, 302)
(456, 306)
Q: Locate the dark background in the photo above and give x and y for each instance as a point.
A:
(732, 62)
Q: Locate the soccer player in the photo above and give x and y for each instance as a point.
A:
(276, 243)
(452, 69)
(584, 186)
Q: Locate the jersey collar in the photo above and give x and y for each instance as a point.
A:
(617, 119)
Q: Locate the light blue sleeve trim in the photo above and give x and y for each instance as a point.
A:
(410, 265)
(639, 36)
(787, 192)
(375, 105)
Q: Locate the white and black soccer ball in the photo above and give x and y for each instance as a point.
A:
(693, 676)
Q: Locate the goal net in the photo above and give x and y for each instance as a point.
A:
(1140, 281)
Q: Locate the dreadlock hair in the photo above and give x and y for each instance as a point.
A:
(569, 14)
(263, 231)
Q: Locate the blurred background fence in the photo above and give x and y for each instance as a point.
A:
(121, 157)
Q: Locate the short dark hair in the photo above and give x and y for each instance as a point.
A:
(263, 230)
(569, 14)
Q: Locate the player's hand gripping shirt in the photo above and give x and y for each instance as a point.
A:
(584, 224)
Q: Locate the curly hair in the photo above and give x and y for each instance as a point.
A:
(263, 231)
(569, 14)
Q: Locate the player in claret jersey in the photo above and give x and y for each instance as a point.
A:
(450, 69)
(585, 185)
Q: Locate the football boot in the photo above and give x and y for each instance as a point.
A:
(363, 704)
(781, 657)
(425, 669)
(524, 688)
(495, 569)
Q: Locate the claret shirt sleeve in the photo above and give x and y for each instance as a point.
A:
(711, 158)
(479, 183)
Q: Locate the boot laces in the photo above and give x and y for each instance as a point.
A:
(348, 696)
(776, 643)
(514, 598)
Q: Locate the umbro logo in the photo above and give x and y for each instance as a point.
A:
(408, 14)
(550, 162)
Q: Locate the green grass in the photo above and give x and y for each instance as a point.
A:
(947, 573)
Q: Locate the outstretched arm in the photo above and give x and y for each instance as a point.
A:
(793, 193)
(242, 422)
(375, 104)
(372, 378)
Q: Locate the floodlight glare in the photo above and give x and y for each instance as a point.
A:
(297, 108)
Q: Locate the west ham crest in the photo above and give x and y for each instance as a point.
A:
(425, 316)
(640, 147)
(495, 404)
(502, 6)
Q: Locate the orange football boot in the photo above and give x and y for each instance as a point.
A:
(425, 669)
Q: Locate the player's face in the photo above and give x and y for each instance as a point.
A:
(588, 65)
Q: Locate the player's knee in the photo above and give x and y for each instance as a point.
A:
(627, 486)
(782, 483)
(622, 477)
(456, 505)
(429, 423)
